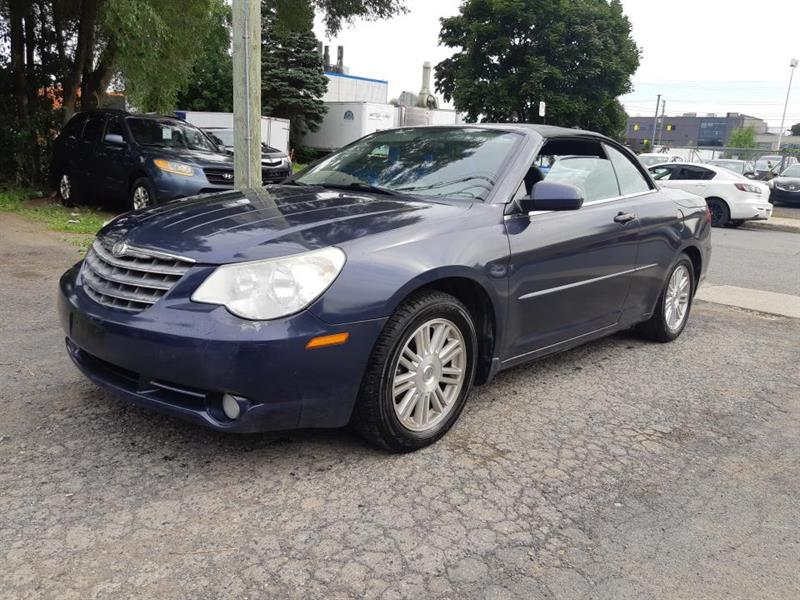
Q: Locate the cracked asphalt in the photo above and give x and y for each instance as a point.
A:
(619, 470)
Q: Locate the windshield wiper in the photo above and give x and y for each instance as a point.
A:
(360, 186)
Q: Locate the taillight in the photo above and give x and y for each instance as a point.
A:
(747, 187)
(708, 215)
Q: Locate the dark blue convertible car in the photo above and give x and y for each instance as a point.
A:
(378, 286)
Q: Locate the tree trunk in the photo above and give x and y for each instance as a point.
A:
(96, 83)
(72, 81)
(30, 53)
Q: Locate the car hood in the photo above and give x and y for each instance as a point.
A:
(272, 221)
(787, 181)
(192, 157)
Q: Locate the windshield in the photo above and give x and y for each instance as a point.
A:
(649, 161)
(793, 171)
(225, 136)
(451, 162)
(169, 134)
(768, 163)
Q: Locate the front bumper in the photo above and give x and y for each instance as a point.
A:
(179, 357)
(787, 196)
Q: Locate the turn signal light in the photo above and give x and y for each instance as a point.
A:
(337, 339)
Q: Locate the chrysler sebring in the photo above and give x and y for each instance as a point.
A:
(382, 283)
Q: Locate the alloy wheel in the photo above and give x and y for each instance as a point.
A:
(429, 375)
(141, 197)
(65, 187)
(676, 299)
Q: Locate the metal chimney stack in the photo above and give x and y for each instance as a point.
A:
(340, 59)
(326, 57)
(426, 79)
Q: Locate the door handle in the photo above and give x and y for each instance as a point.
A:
(624, 217)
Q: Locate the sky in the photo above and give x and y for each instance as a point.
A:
(703, 56)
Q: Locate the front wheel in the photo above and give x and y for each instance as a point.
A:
(672, 312)
(420, 374)
(142, 194)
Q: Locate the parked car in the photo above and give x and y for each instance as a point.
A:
(276, 163)
(140, 159)
(769, 166)
(384, 281)
(786, 187)
(741, 167)
(732, 198)
(656, 158)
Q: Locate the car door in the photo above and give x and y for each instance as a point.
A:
(570, 270)
(110, 159)
(86, 164)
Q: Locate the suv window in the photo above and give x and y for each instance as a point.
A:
(688, 173)
(93, 128)
(580, 163)
(114, 127)
(631, 180)
(75, 125)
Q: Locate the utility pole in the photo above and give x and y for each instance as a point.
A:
(661, 125)
(655, 123)
(247, 93)
(793, 64)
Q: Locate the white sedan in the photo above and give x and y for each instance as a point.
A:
(731, 198)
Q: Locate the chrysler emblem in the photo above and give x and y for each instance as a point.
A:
(227, 175)
(119, 249)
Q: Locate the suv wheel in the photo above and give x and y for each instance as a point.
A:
(142, 194)
(67, 190)
(420, 374)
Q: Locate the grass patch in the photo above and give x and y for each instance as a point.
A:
(82, 220)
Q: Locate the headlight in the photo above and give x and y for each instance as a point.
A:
(269, 289)
(174, 167)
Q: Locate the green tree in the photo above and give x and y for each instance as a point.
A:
(292, 81)
(576, 55)
(210, 86)
(743, 138)
(795, 129)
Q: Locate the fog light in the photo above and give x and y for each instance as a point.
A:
(230, 406)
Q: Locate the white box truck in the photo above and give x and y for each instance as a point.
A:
(274, 131)
(345, 122)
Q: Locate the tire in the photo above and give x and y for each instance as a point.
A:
(67, 190)
(735, 223)
(142, 194)
(384, 395)
(720, 213)
(658, 327)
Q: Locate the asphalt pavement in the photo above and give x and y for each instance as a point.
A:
(619, 470)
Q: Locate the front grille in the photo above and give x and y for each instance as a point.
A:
(131, 282)
(219, 176)
(225, 176)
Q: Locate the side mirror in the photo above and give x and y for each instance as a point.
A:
(114, 139)
(548, 195)
(222, 149)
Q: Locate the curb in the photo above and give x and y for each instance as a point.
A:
(774, 224)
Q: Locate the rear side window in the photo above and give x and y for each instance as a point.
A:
(93, 128)
(631, 180)
(663, 172)
(694, 174)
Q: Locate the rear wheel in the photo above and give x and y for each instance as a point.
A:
(142, 194)
(420, 374)
(720, 213)
(67, 190)
(672, 312)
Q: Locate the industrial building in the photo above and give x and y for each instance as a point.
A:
(690, 130)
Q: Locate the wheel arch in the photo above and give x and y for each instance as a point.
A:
(697, 263)
(481, 306)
